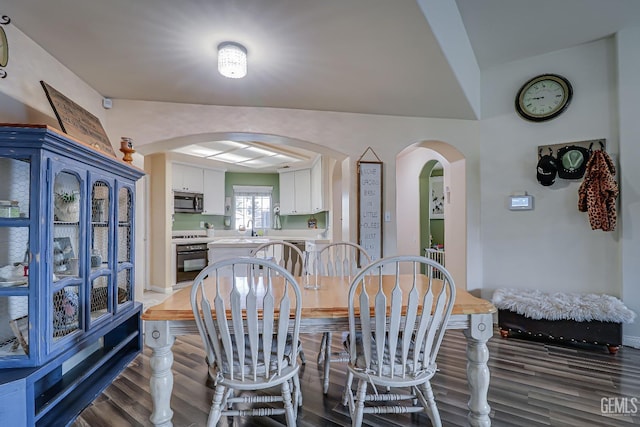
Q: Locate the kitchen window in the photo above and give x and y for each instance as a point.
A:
(252, 206)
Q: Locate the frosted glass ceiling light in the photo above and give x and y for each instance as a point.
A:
(232, 60)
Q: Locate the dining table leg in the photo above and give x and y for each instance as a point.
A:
(479, 332)
(327, 363)
(158, 337)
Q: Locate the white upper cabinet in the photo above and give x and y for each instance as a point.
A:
(213, 192)
(287, 191)
(295, 192)
(318, 186)
(187, 178)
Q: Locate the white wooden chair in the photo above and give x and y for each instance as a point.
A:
(338, 259)
(401, 331)
(282, 253)
(248, 314)
(288, 256)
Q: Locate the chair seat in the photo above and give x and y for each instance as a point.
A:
(247, 365)
(360, 365)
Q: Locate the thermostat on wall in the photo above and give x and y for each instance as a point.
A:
(521, 203)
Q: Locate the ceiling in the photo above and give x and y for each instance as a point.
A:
(358, 56)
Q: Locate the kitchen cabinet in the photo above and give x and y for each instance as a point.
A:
(318, 186)
(222, 249)
(187, 178)
(68, 319)
(213, 203)
(295, 192)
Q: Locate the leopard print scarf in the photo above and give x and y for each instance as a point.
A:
(598, 192)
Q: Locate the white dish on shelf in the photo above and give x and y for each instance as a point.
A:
(10, 283)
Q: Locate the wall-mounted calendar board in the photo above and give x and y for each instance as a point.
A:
(370, 207)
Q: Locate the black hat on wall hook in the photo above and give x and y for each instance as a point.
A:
(572, 161)
(547, 168)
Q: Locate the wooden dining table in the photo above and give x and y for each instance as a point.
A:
(323, 310)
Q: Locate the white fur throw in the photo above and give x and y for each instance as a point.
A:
(536, 304)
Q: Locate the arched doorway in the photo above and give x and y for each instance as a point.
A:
(432, 211)
(158, 228)
(410, 164)
(432, 206)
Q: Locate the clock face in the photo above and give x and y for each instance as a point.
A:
(543, 97)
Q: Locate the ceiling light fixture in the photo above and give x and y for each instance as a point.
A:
(232, 60)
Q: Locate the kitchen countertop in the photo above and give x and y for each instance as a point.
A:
(192, 241)
(245, 239)
(238, 242)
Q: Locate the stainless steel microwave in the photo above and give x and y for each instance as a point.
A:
(187, 202)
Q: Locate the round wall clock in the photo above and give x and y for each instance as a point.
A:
(543, 97)
(4, 48)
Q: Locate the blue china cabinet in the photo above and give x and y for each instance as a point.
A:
(69, 322)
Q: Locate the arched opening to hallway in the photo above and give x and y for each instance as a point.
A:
(432, 211)
(410, 164)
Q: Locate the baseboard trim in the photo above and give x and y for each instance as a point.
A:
(161, 290)
(631, 341)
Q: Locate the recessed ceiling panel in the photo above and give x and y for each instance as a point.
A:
(197, 150)
(285, 158)
(258, 152)
(230, 158)
(251, 154)
(223, 145)
(257, 163)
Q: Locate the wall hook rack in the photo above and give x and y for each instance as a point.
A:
(570, 157)
(590, 144)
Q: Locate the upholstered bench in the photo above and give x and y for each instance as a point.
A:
(568, 317)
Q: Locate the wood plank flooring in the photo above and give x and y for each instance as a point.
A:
(532, 384)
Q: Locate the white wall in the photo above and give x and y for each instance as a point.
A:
(22, 99)
(629, 93)
(552, 247)
(349, 134)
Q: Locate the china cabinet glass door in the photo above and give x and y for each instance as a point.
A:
(101, 229)
(67, 253)
(14, 256)
(125, 246)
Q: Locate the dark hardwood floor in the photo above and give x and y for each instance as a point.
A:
(532, 384)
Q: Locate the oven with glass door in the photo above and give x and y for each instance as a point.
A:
(190, 260)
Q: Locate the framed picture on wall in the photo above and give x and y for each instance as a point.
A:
(436, 197)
